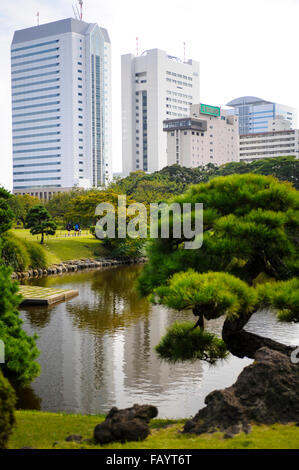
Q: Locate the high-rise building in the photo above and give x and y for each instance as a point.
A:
(155, 87)
(256, 115)
(61, 107)
(208, 135)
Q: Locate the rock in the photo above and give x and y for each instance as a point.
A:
(130, 424)
(265, 392)
(74, 438)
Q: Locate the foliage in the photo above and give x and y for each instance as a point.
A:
(39, 221)
(83, 209)
(184, 343)
(20, 349)
(21, 204)
(283, 297)
(14, 252)
(214, 294)
(250, 231)
(7, 405)
(58, 206)
(38, 258)
(6, 214)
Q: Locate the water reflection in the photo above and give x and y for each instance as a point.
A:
(98, 350)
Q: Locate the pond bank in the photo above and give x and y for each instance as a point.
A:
(76, 265)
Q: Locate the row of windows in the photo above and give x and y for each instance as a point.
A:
(36, 164)
(35, 179)
(35, 45)
(44, 186)
(53, 80)
(37, 150)
(37, 112)
(179, 75)
(21, 144)
(36, 157)
(35, 135)
(39, 90)
(17, 108)
(36, 98)
(35, 172)
(35, 53)
(35, 120)
(32, 62)
(33, 76)
(36, 128)
(35, 68)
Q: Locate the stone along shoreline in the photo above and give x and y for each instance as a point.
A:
(74, 266)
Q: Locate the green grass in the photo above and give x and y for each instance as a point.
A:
(40, 430)
(63, 248)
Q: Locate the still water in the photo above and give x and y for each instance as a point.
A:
(97, 350)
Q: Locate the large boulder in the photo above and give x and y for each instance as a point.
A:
(130, 424)
(265, 392)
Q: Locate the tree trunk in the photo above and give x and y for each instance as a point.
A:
(242, 343)
(42, 239)
(200, 322)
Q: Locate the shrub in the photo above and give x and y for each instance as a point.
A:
(182, 343)
(38, 258)
(14, 252)
(20, 349)
(7, 404)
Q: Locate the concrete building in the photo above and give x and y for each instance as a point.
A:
(269, 144)
(209, 135)
(61, 107)
(255, 114)
(155, 87)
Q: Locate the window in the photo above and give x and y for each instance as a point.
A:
(35, 45)
(34, 68)
(33, 61)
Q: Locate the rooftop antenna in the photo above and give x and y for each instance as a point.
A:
(184, 52)
(75, 13)
(37, 14)
(137, 46)
(81, 9)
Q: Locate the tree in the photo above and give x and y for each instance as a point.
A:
(39, 221)
(249, 259)
(21, 204)
(20, 349)
(6, 214)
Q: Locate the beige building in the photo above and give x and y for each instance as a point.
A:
(269, 144)
(209, 135)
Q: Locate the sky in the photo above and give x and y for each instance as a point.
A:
(245, 47)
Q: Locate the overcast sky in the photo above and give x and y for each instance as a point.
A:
(245, 47)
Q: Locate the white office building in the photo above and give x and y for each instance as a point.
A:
(155, 87)
(256, 114)
(61, 107)
(208, 135)
(269, 144)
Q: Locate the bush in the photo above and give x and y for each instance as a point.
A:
(14, 253)
(20, 349)
(7, 404)
(38, 258)
(182, 343)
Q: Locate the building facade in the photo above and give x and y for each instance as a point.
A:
(255, 114)
(209, 135)
(61, 107)
(155, 87)
(269, 144)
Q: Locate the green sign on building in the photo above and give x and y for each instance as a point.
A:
(212, 110)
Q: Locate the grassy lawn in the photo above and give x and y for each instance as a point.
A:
(61, 247)
(41, 430)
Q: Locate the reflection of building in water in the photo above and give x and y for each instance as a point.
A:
(98, 351)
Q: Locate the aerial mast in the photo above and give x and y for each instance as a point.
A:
(81, 9)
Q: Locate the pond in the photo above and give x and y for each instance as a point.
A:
(97, 350)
